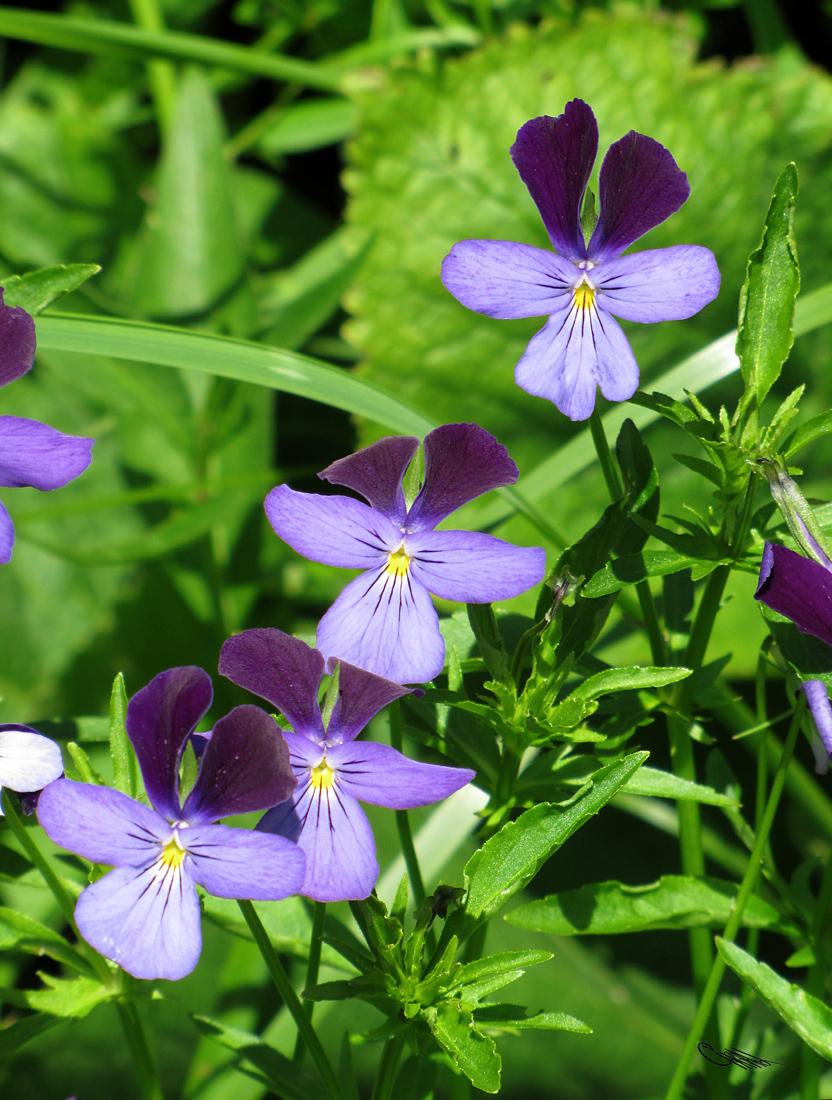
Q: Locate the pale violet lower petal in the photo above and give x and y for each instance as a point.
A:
(146, 919)
(507, 280)
(28, 761)
(663, 284)
(102, 825)
(559, 364)
(241, 863)
(473, 567)
(6, 536)
(330, 529)
(382, 776)
(385, 623)
(335, 835)
(36, 455)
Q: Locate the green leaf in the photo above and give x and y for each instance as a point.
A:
(16, 1035)
(189, 251)
(509, 860)
(121, 751)
(36, 290)
(472, 1053)
(479, 969)
(673, 902)
(310, 124)
(628, 679)
(278, 1072)
(814, 428)
(23, 933)
(632, 568)
(83, 766)
(772, 281)
(805, 1014)
(505, 1017)
(74, 997)
(652, 782)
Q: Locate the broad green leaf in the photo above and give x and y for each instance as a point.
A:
(190, 250)
(472, 1053)
(627, 679)
(509, 860)
(278, 1072)
(805, 1014)
(74, 997)
(505, 1017)
(632, 568)
(610, 908)
(808, 432)
(655, 783)
(309, 125)
(36, 290)
(772, 281)
(16, 1035)
(21, 932)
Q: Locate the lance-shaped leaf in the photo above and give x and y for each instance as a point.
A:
(675, 901)
(273, 1069)
(772, 281)
(505, 1017)
(23, 933)
(472, 1053)
(805, 1014)
(655, 783)
(509, 860)
(36, 290)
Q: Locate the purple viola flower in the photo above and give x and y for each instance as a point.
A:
(581, 285)
(799, 588)
(384, 620)
(145, 914)
(818, 698)
(28, 760)
(333, 770)
(31, 454)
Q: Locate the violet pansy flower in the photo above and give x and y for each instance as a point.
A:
(31, 454)
(334, 771)
(28, 760)
(145, 914)
(583, 284)
(384, 621)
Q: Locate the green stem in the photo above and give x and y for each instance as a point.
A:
(312, 968)
(612, 475)
(383, 1087)
(291, 999)
(146, 1072)
(161, 74)
(747, 886)
(811, 1062)
(411, 859)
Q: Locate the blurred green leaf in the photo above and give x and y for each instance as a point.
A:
(276, 1071)
(611, 908)
(767, 298)
(805, 1014)
(190, 251)
(17, 1034)
(36, 290)
(652, 782)
(472, 1053)
(23, 933)
(310, 124)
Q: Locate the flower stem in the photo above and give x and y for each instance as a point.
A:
(146, 1071)
(747, 886)
(161, 74)
(312, 968)
(810, 1066)
(291, 999)
(383, 1087)
(411, 859)
(612, 475)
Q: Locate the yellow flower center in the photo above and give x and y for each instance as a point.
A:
(173, 854)
(584, 295)
(398, 563)
(322, 775)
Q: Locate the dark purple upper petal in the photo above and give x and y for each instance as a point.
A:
(798, 588)
(462, 461)
(282, 669)
(640, 186)
(361, 695)
(17, 342)
(554, 157)
(159, 719)
(35, 455)
(245, 767)
(376, 472)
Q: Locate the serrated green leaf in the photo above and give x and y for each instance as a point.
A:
(496, 964)
(472, 1053)
(505, 1017)
(632, 568)
(73, 997)
(509, 860)
(610, 908)
(23, 933)
(36, 290)
(772, 280)
(633, 678)
(814, 428)
(282, 1075)
(805, 1014)
(652, 782)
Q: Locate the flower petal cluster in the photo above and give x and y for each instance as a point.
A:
(31, 454)
(145, 914)
(334, 771)
(28, 760)
(384, 620)
(583, 284)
